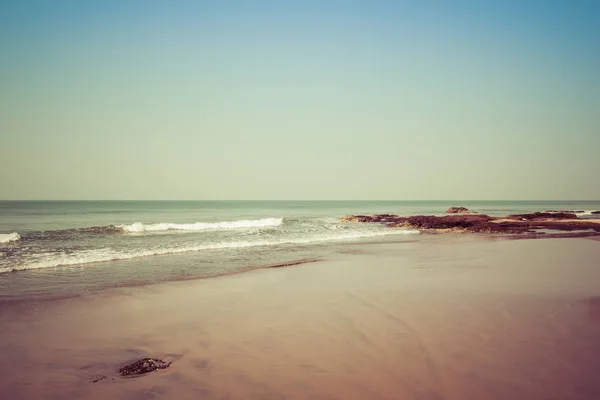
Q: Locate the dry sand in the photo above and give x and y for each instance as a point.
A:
(442, 318)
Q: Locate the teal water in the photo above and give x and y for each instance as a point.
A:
(58, 248)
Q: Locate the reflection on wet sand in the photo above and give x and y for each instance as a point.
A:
(448, 318)
(593, 304)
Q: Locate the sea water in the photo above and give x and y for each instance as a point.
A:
(63, 248)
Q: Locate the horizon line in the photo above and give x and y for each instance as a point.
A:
(298, 200)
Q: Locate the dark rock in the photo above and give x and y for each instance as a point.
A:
(596, 212)
(459, 210)
(356, 218)
(383, 217)
(544, 215)
(143, 366)
(457, 223)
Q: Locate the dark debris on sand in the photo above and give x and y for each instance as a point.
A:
(143, 366)
(99, 378)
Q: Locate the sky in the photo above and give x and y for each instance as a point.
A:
(388, 100)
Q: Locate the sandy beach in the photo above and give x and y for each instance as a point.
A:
(261, 200)
(449, 317)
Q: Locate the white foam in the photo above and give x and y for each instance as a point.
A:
(201, 226)
(49, 260)
(9, 237)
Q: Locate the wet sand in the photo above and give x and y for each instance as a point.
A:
(447, 317)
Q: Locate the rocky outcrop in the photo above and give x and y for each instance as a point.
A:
(459, 210)
(456, 223)
(143, 366)
(370, 218)
(596, 212)
(481, 223)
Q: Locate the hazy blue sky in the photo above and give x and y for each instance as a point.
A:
(268, 100)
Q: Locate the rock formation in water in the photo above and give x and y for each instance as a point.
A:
(459, 210)
(481, 223)
(370, 218)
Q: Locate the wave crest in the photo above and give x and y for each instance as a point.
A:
(106, 254)
(586, 212)
(201, 226)
(9, 237)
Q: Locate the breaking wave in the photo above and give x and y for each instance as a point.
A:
(587, 212)
(201, 226)
(49, 260)
(579, 213)
(9, 237)
(140, 227)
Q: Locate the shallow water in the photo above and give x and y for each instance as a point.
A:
(57, 249)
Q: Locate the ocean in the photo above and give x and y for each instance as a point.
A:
(55, 249)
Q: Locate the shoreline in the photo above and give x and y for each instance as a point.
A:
(143, 284)
(343, 248)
